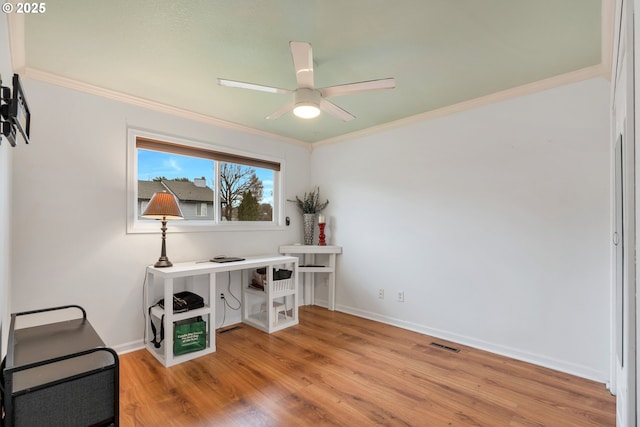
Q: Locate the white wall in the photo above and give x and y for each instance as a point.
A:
(494, 222)
(6, 154)
(69, 209)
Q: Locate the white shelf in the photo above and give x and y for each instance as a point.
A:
(258, 292)
(316, 269)
(259, 321)
(163, 283)
(200, 277)
(310, 249)
(158, 312)
(310, 266)
(285, 290)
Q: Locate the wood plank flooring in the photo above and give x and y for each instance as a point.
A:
(340, 370)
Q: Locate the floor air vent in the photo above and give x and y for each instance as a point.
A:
(232, 328)
(445, 347)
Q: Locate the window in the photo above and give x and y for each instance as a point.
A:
(202, 209)
(215, 188)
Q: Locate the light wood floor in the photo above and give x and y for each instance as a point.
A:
(339, 370)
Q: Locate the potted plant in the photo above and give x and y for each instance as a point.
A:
(310, 206)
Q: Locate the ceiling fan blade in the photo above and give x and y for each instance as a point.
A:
(351, 88)
(281, 111)
(302, 63)
(331, 108)
(243, 85)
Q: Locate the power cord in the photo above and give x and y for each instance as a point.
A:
(226, 303)
(231, 293)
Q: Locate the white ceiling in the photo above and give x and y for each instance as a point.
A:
(445, 55)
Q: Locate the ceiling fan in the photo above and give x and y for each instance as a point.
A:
(307, 100)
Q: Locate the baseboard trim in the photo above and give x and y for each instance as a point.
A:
(513, 353)
(536, 359)
(129, 347)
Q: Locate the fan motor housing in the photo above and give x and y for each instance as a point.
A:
(308, 96)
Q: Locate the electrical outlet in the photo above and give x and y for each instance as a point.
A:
(401, 296)
(222, 296)
(381, 293)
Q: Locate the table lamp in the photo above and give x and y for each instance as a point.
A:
(163, 206)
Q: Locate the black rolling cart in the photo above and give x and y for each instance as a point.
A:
(59, 374)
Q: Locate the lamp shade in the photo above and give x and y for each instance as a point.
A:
(163, 205)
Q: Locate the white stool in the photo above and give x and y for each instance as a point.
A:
(278, 308)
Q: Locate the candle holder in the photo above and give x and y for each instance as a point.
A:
(321, 237)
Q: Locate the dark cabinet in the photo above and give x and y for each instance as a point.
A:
(59, 374)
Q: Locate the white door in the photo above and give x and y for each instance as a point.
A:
(624, 301)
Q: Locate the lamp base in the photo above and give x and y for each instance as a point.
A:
(163, 262)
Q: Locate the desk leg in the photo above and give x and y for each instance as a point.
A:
(212, 314)
(244, 307)
(168, 321)
(332, 283)
(296, 287)
(309, 281)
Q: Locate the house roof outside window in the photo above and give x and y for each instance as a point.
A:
(185, 191)
(146, 189)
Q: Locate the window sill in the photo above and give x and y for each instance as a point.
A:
(179, 226)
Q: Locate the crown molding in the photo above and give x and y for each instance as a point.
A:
(527, 89)
(72, 84)
(552, 82)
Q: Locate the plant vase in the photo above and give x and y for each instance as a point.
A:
(309, 222)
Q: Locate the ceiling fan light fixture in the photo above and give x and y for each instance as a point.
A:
(306, 110)
(307, 103)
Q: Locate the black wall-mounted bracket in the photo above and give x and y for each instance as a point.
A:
(15, 116)
(6, 127)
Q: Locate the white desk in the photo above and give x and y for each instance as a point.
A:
(200, 278)
(309, 267)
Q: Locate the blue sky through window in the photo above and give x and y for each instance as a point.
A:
(152, 164)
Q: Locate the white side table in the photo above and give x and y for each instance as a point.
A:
(308, 266)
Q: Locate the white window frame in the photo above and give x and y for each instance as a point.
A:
(141, 225)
